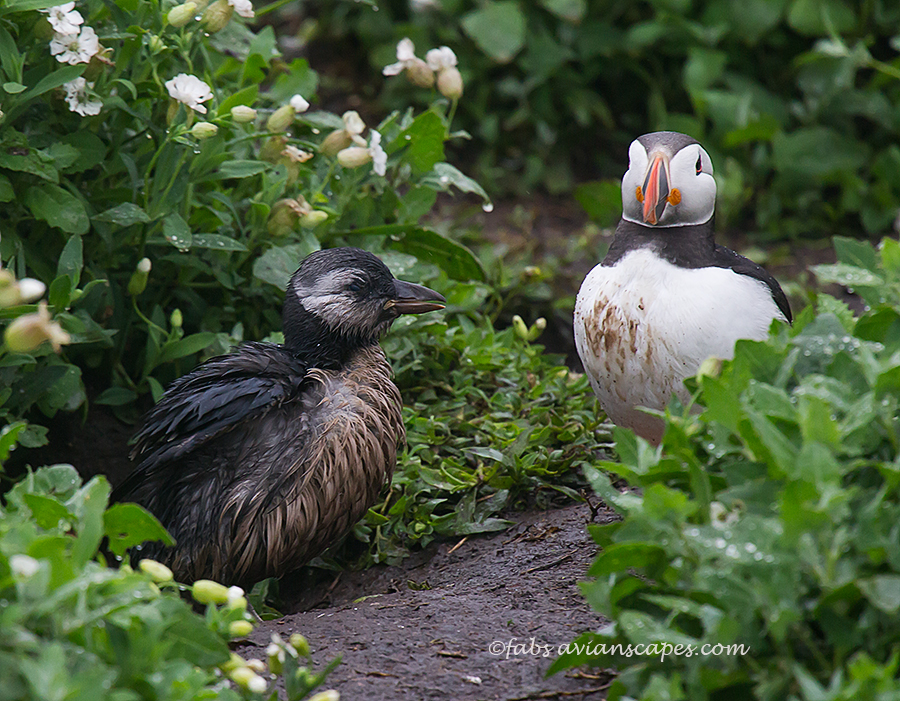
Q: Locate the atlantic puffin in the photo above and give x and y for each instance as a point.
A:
(258, 460)
(666, 296)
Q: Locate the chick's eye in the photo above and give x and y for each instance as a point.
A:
(699, 165)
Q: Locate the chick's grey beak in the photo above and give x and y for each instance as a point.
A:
(415, 299)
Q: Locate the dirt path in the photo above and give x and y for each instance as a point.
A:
(431, 628)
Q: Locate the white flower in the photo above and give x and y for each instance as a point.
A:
(406, 55)
(295, 154)
(299, 104)
(31, 290)
(354, 126)
(379, 155)
(190, 90)
(243, 7)
(75, 48)
(78, 99)
(23, 566)
(64, 19)
(440, 58)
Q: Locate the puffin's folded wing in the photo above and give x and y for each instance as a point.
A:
(213, 398)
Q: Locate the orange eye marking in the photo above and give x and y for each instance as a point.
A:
(639, 193)
(674, 196)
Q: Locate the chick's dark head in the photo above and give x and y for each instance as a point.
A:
(347, 297)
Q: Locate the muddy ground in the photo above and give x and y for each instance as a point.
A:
(456, 620)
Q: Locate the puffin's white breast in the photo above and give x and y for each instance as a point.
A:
(644, 324)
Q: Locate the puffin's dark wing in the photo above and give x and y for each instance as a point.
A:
(726, 258)
(211, 399)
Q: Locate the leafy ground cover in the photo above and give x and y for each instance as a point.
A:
(769, 520)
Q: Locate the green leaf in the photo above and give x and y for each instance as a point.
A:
(498, 29)
(7, 193)
(71, 260)
(58, 78)
(17, 155)
(424, 139)
(817, 152)
(116, 396)
(444, 175)
(191, 639)
(569, 10)
(89, 504)
(623, 556)
(217, 242)
(177, 231)
(883, 591)
(188, 345)
(127, 525)
(124, 214)
(276, 265)
(47, 512)
(58, 207)
(453, 258)
(821, 17)
(8, 437)
(242, 169)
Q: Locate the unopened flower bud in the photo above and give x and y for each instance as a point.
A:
(281, 118)
(314, 218)
(157, 571)
(247, 679)
(418, 73)
(336, 141)
(204, 130)
(275, 654)
(711, 367)
(257, 665)
(354, 156)
(519, 327)
(243, 114)
(29, 331)
(30, 290)
(138, 281)
(234, 661)
(180, 15)
(155, 44)
(301, 645)
(450, 83)
(240, 629)
(282, 219)
(330, 695)
(177, 319)
(217, 16)
(23, 566)
(537, 328)
(206, 591)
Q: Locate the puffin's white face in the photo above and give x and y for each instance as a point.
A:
(662, 188)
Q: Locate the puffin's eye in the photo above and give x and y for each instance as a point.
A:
(354, 286)
(699, 165)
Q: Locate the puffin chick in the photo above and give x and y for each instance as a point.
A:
(258, 460)
(666, 297)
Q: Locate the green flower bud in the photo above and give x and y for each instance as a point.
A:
(205, 591)
(537, 328)
(711, 367)
(177, 319)
(217, 16)
(450, 83)
(354, 156)
(138, 281)
(156, 44)
(204, 130)
(180, 15)
(157, 571)
(300, 644)
(336, 141)
(330, 695)
(275, 654)
(240, 629)
(234, 662)
(418, 73)
(281, 118)
(247, 679)
(257, 666)
(243, 114)
(519, 327)
(313, 218)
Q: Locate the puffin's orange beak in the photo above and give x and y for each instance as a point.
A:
(656, 188)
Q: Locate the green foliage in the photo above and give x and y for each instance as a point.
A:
(770, 520)
(73, 628)
(795, 99)
(164, 239)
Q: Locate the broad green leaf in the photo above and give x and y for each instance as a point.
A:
(276, 265)
(424, 139)
(217, 242)
(47, 512)
(185, 346)
(242, 169)
(177, 232)
(883, 591)
(16, 154)
(127, 525)
(621, 557)
(124, 214)
(819, 17)
(7, 193)
(58, 207)
(445, 175)
(116, 396)
(58, 78)
(497, 28)
(8, 437)
(817, 152)
(89, 504)
(193, 640)
(856, 253)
